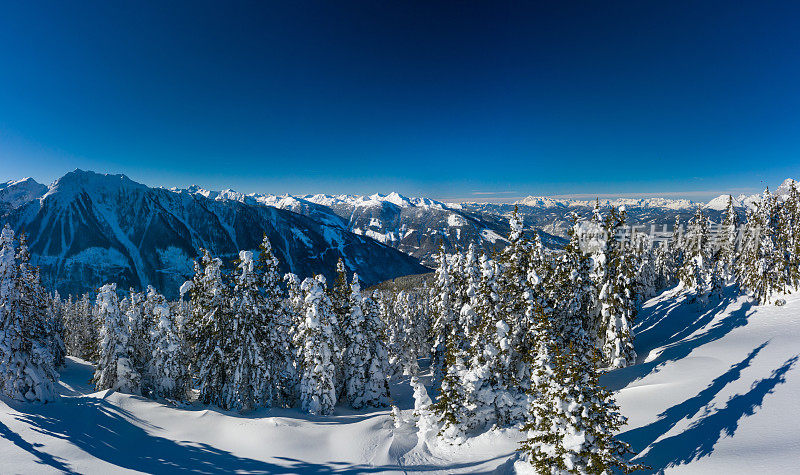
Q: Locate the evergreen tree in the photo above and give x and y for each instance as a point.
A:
(115, 368)
(727, 242)
(366, 358)
(444, 319)
(248, 335)
(27, 365)
(207, 330)
(169, 373)
(572, 418)
(316, 341)
(617, 298)
(277, 344)
(694, 274)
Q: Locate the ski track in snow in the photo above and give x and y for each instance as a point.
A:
(714, 391)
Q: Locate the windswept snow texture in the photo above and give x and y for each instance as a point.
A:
(88, 229)
(714, 391)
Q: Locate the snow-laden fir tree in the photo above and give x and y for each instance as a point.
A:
(443, 316)
(760, 263)
(27, 365)
(316, 341)
(366, 358)
(277, 344)
(115, 368)
(471, 277)
(617, 297)
(727, 241)
(208, 332)
(169, 365)
(572, 419)
(250, 377)
(788, 238)
(340, 301)
(139, 323)
(697, 262)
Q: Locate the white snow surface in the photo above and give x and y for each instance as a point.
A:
(714, 391)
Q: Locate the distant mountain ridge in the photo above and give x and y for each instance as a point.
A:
(87, 229)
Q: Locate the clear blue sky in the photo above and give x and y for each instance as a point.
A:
(467, 99)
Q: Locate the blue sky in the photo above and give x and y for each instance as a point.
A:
(455, 100)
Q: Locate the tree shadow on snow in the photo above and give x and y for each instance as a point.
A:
(41, 457)
(700, 438)
(114, 435)
(669, 325)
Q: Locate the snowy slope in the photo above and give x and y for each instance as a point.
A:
(715, 391)
(716, 388)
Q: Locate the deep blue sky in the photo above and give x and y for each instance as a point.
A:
(444, 99)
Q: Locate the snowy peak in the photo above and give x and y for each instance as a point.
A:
(17, 193)
(100, 185)
(720, 203)
(549, 202)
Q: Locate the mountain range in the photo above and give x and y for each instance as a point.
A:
(89, 228)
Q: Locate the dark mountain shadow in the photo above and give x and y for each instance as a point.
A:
(671, 331)
(700, 438)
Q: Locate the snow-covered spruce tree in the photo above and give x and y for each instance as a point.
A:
(617, 298)
(316, 341)
(697, 264)
(576, 308)
(727, 252)
(788, 238)
(139, 322)
(365, 358)
(115, 368)
(444, 318)
(277, 344)
(90, 336)
(169, 366)
(340, 301)
(54, 323)
(471, 277)
(208, 332)
(572, 419)
(493, 394)
(409, 340)
(760, 266)
(250, 378)
(27, 366)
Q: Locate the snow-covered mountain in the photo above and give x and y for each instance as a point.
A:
(88, 228)
(415, 226)
(14, 194)
(549, 202)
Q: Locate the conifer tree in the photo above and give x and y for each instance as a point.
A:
(572, 418)
(207, 330)
(316, 341)
(250, 377)
(727, 242)
(169, 373)
(277, 344)
(366, 358)
(694, 274)
(617, 298)
(27, 365)
(115, 368)
(444, 319)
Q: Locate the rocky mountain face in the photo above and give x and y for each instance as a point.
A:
(87, 229)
